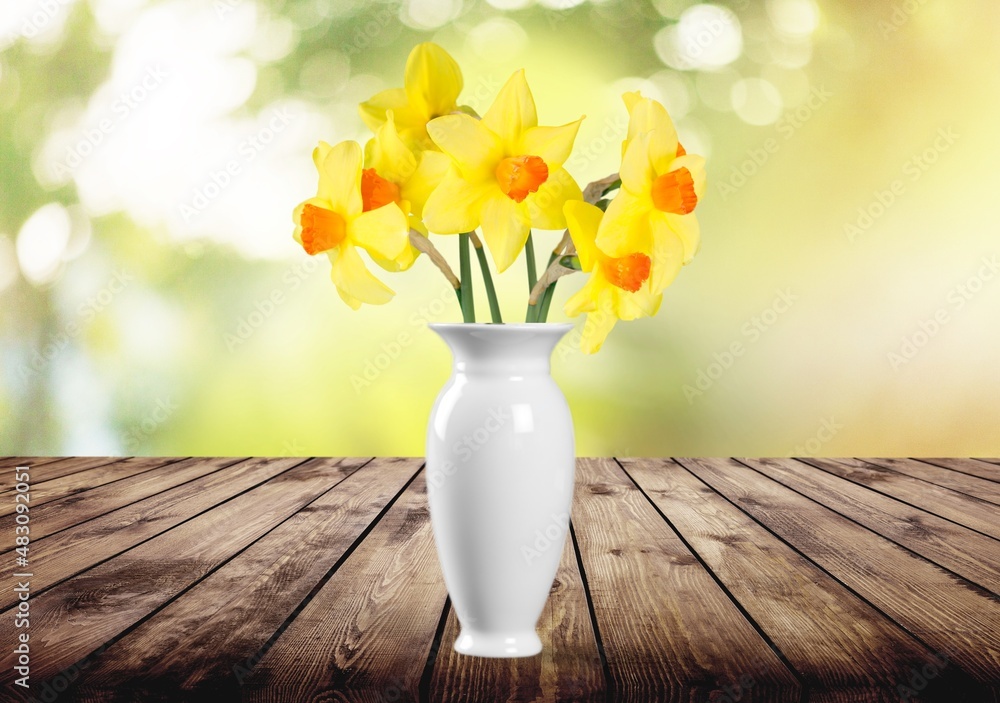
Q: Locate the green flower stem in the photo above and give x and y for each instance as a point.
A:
(545, 302)
(539, 311)
(465, 266)
(491, 292)
(529, 250)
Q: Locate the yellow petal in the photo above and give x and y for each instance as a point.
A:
(373, 111)
(431, 170)
(433, 80)
(383, 232)
(506, 227)
(583, 219)
(637, 172)
(340, 179)
(687, 231)
(585, 299)
(354, 281)
(402, 262)
(456, 205)
(513, 112)
(388, 155)
(625, 226)
(553, 144)
(649, 116)
(632, 306)
(668, 253)
(470, 144)
(545, 206)
(596, 329)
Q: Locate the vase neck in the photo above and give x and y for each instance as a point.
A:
(508, 350)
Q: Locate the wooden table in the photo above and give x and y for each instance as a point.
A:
(299, 580)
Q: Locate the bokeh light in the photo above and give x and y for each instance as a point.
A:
(151, 154)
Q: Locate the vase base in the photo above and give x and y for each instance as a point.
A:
(524, 643)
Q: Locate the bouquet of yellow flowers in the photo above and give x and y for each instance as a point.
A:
(436, 167)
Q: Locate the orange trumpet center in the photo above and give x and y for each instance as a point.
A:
(377, 191)
(520, 175)
(322, 229)
(674, 192)
(628, 272)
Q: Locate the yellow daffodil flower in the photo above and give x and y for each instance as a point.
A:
(395, 172)
(432, 82)
(350, 211)
(661, 185)
(507, 173)
(619, 288)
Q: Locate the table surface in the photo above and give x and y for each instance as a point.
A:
(292, 580)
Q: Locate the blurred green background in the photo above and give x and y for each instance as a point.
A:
(845, 301)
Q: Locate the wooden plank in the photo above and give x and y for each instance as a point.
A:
(568, 669)
(947, 478)
(71, 551)
(367, 633)
(64, 513)
(983, 468)
(269, 580)
(969, 554)
(844, 649)
(991, 460)
(46, 491)
(946, 612)
(670, 633)
(957, 507)
(77, 617)
(48, 470)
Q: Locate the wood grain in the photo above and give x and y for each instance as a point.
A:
(947, 613)
(983, 468)
(954, 480)
(694, 580)
(957, 507)
(969, 554)
(53, 468)
(568, 669)
(46, 491)
(63, 513)
(844, 649)
(367, 633)
(669, 631)
(73, 550)
(230, 617)
(79, 616)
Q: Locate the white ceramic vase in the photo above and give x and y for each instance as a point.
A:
(500, 464)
